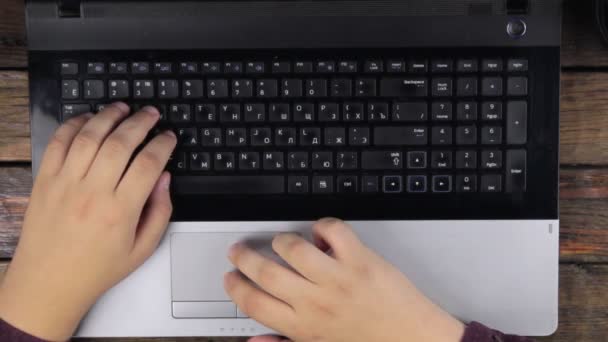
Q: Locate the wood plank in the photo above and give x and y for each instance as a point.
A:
(583, 310)
(582, 44)
(584, 212)
(584, 118)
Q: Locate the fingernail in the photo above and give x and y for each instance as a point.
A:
(170, 133)
(122, 106)
(88, 115)
(233, 249)
(166, 182)
(152, 110)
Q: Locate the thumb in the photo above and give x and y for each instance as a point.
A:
(153, 221)
(268, 338)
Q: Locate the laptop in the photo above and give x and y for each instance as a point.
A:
(432, 127)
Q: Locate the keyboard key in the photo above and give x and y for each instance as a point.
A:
(416, 160)
(491, 65)
(69, 68)
(140, 68)
(466, 86)
(282, 67)
(442, 183)
(441, 160)
(230, 112)
(261, 136)
(297, 185)
(370, 184)
(178, 161)
(329, 112)
(517, 65)
(400, 136)
(491, 183)
(347, 67)
(516, 171)
(303, 67)
(192, 89)
(96, 68)
(180, 113)
(200, 161)
(163, 68)
(267, 88)
(381, 160)
(118, 68)
(71, 110)
(118, 89)
(419, 66)
(233, 67)
(273, 161)
(255, 68)
(365, 87)
(226, 185)
(416, 184)
(187, 136)
(249, 161)
(168, 89)
(373, 66)
(347, 160)
(396, 66)
(491, 159)
(316, 88)
(403, 87)
(211, 137)
(297, 161)
(322, 161)
(392, 184)
(491, 111)
(341, 87)
(491, 135)
(326, 67)
(441, 87)
(441, 135)
(310, 136)
(304, 112)
(466, 111)
(517, 86)
(517, 122)
(217, 88)
(291, 88)
(410, 111)
(358, 136)
(188, 67)
(224, 161)
(322, 184)
(466, 183)
(236, 137)
(378, 111)
(353, 112)
(439, 66)
(280, 112)
(335, 136)
(491, 86)
(255, 112)
(70, 90)
(94, 89)
(205, 113)
(467, 65)
(466, 135)
(441, 111)
(143, 89)
(348, 184)
(285, 136)
(466, 160)
(211, 68)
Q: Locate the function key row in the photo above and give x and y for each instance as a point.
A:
(303, 66)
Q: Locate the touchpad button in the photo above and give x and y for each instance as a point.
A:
(199, 262)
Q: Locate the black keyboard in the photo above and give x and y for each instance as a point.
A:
(326, 126)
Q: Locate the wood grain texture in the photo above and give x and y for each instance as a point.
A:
(584, 212)
(583, 310)
(584, 118)
(582, 44)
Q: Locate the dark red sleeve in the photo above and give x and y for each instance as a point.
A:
(9, 333)
(476, 332)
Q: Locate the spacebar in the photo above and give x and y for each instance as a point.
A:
(226, 185)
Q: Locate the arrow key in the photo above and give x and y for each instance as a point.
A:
(442, 183)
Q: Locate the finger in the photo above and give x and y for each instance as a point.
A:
(338, 235)
(305, 258)
(269, 275)
(118, 148)
(59, 145)
(268, 338)
(87, 142)
(138, 182)
(153, 222)
(259, 305)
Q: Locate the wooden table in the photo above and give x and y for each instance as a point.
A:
(584, 166)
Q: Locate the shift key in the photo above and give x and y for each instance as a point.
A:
(401, 136)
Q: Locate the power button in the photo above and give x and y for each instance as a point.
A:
(517, 28)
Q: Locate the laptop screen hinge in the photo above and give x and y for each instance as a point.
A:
(69, 9)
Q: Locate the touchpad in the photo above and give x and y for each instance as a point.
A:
(198, 264)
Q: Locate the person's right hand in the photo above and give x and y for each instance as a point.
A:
(348, 295)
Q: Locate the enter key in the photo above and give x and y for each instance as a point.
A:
(516, 171)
